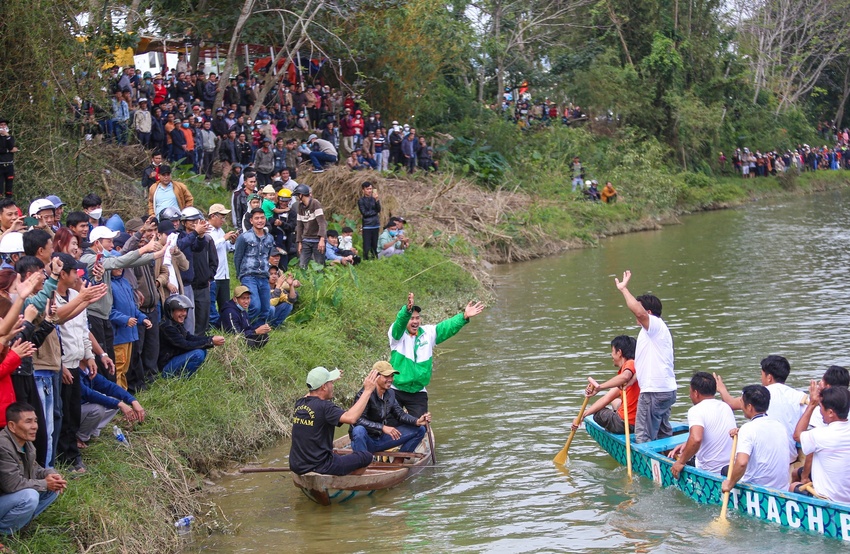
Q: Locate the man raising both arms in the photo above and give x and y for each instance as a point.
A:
(412, 348)
(654, 365)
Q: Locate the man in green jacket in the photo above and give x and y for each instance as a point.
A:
(412, 348)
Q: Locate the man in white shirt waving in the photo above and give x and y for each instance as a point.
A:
(654, 365)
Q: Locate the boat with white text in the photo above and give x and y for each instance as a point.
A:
(791, 510)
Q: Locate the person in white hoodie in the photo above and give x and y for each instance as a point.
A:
(77, 352)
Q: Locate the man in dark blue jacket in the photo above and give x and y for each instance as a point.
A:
(371, 432)
(178, 141)
(234, 318)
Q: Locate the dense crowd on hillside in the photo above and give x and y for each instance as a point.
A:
(176, 114)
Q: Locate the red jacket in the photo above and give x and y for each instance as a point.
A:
(357, 126)
(10, 363)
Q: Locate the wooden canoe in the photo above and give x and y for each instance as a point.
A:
(383, 473)
(787, 509)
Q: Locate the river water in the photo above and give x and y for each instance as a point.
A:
(736, 285)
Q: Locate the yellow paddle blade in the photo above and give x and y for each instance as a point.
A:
(561, 457)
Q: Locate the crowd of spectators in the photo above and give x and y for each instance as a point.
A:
(176, 114)
(94, 308)
(527, 112)
(756, 163)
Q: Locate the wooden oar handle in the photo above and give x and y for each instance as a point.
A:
(580, 417)
(725, 502)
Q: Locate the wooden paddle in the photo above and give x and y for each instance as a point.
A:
(561, 457)
(628, 436)
(725, 506)
(430, 435)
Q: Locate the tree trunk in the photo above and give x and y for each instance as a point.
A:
(201, 9)
(845, 93)
(481, 85)
(233, 49)
(619, 26)
(500, 58)
(132, 16)
(299, 30)
(500, 82)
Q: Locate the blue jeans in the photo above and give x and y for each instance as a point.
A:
(214, 317)
(279, 314)
(319, 158)
(258, 310)
(410, 438)
(19, 508)
(49, 385)
(652, 420)
(578, 183)
(186, 364)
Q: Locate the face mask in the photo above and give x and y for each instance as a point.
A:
(185, 125)
(148, 81)
(371, 119)
(95, 214)
(242, 85)
(393, 233)
(13, 296)
(265, 122)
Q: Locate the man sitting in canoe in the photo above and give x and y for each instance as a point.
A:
(313, 426)
(623, 355)
(371, 432)
(709, 422)
(786, 404)
(412, 348)
(762, 455)
(654, 365)
(834, 376)
(828, 445)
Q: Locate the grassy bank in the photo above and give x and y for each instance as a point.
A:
(238, 403)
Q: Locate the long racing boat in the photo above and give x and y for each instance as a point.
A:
(795, 511)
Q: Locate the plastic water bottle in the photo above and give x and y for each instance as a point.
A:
(183, 524)
(119, 435)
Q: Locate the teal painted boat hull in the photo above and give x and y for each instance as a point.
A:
(794, 511)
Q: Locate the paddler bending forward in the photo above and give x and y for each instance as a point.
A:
(313, 426)
(412, 348)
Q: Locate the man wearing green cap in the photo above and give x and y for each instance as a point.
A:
(371, 433)
(313, 426)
